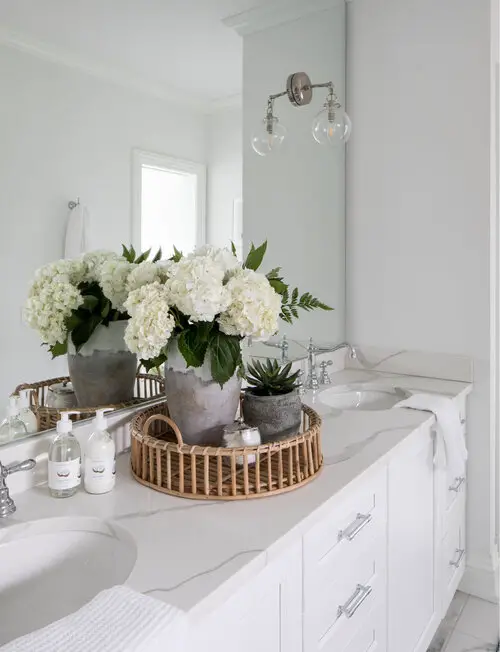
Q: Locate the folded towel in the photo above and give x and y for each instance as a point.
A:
(451, 451)
(116, 620)
(75, 241)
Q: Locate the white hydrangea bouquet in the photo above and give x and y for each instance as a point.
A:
(71, 298)
(207, 302)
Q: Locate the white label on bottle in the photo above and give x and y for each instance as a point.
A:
(65, 475)
(98, 471)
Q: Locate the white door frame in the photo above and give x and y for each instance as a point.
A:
(142, 157)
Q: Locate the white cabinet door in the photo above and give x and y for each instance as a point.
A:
(413, 613)
(265, 615)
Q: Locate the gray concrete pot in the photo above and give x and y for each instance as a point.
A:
(277, 417)
(103, 371)
(201, 408)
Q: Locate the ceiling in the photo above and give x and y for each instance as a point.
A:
(178, 49)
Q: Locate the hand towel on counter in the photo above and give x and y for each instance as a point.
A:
(451, 451)
(116, 620)
(75, 241)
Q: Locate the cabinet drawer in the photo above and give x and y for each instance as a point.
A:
(372, 636)
(455, 488)
(453, 559)
(360, 516)
(337, 599)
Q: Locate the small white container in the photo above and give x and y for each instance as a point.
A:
(239, 435)
(61, 396)
(26, 414)
(100, 452)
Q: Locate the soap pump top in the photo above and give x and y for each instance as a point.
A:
(100, 422)
(65, 425)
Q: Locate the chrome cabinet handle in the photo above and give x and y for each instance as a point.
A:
(355, 527)
(457, 484)
(463, 421)
(355, 601)
(461, 554)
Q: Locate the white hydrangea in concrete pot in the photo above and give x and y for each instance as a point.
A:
(194, 320)
(272, 401)
(77, 306)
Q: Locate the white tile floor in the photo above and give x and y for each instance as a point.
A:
(471, 625)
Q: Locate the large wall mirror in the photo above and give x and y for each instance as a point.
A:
(158, 152)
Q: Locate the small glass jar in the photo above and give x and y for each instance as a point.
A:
(61, 396)
(240, 435)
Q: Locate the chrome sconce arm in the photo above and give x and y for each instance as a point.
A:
(331, 126)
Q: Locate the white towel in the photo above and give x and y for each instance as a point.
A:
(76, 232)
(116, 620)
(451, 451)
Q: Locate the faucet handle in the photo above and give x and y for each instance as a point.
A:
(324, 378)
(27, 465)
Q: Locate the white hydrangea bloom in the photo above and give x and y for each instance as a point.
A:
(63, 271)
(150, 324)
(94, 261)
(49, 304)
(113, 281)
(255, 306)
(144, 273)
(224, 258)
(196, 287)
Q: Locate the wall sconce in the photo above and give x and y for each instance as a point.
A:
(331, 126)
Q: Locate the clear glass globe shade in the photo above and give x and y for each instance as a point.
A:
(268, 136)
(331, 133)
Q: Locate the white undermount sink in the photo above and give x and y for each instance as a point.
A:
(366, 397)
(52, 567)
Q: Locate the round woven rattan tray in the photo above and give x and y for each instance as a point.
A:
(161, 460)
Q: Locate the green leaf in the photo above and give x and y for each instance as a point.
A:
(295, 295)
(89, 302)
(274, 273)
(81, 333)
(193, 343)
(233, 248)
(143, 257)
(125, 252)
(157, 256)
(105, 309)
(225, 355)
(154, 363)
(73, 321)
(59, 348)
(278, 286)
(177, 255)
(255, 256)
(132, 254)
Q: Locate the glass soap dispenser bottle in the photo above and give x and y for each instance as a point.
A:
(12, 427)
(99, 465)
(64, 460)
(26, 414)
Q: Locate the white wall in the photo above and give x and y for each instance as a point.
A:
(66, 134)
(418, 204)
(295, 196)
(225, 172)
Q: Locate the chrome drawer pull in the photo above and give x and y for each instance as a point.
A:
(355, 527)
(457, 484)
(355, 601)
(461, 554)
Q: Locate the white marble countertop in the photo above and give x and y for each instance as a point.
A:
(194, 554)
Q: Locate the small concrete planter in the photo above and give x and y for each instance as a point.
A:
(277, 417)
(103, 371)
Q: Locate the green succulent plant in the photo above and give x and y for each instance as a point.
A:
(270, 378)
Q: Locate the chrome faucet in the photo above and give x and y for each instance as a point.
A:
(312, 381)
(7, 505)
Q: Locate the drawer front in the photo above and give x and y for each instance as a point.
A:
(360, 516)
(455, 488)
(338, 600)
(371, 638)
(454, 552)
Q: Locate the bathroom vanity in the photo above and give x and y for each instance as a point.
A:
(366, 557)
